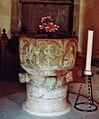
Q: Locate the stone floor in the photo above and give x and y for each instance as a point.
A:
(11, 108)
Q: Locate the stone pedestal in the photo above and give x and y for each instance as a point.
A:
(48, 64)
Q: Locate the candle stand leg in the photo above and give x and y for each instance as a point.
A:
(86, 106)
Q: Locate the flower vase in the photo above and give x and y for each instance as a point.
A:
(49, 34)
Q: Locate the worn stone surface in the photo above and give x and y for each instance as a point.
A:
(48, 64)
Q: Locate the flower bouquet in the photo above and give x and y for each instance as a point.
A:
(47, 25)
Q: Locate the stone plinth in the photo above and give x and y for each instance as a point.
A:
(48, 64)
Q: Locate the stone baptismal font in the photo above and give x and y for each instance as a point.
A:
(48, 64)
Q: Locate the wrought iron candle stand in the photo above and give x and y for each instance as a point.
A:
(89, 105)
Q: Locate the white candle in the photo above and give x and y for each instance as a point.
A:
(89, 53)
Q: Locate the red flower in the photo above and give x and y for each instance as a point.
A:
(47, 24)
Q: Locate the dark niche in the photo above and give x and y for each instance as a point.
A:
(60, 10)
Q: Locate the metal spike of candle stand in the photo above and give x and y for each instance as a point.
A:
(86, 106)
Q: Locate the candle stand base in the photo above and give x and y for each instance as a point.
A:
(87, 72)
(88, 105)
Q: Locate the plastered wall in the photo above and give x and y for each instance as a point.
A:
(5, 16)
(89, 19)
